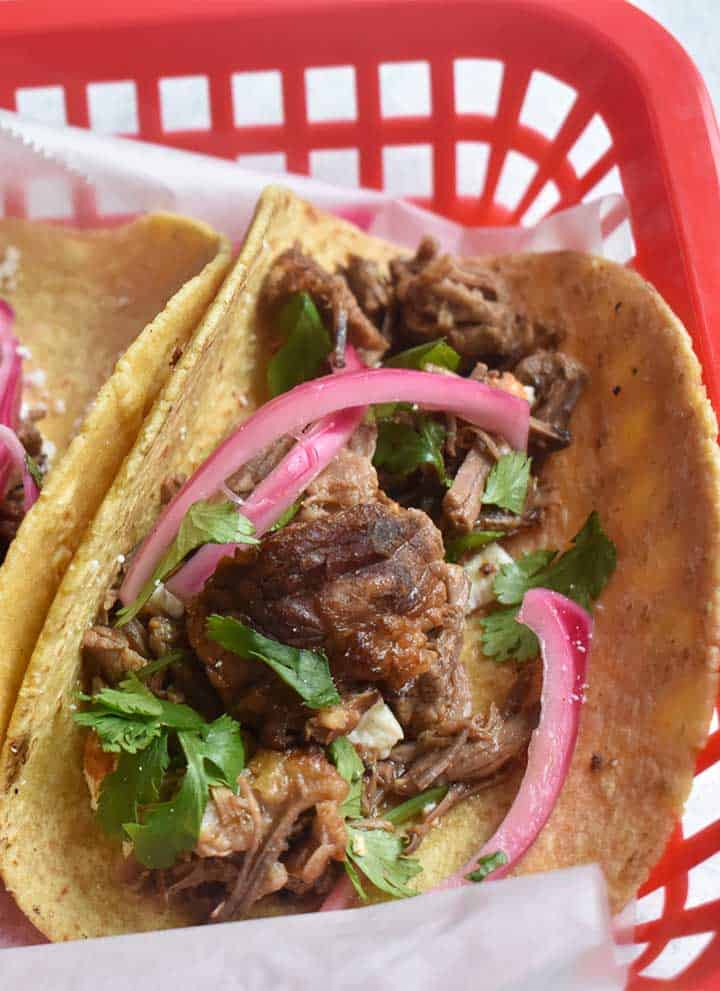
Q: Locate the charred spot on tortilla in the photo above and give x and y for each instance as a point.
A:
(334, 717)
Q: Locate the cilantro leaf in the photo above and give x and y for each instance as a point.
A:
(508, 481)
(119, 733)
(378, 855)
(401, 449)
(349, 766)
(35, 473)
(204, 523)
(129, 717)
(486, 865)
(306, 671)
(307, 345)
(580, 573)
(414, 806)
(516, 577)
(152, 667)
(171, 828)
(287, 516)
(455, 547)
(136, 781)
(436, 352)
(504, 638)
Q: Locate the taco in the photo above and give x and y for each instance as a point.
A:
(77, 376)
(327, 637)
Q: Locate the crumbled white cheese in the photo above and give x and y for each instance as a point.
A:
(164, 602)
(481, 569)
(378, 730)
(358, 845)
(529, 394)
(24, 352)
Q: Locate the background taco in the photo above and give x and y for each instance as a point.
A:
(101, 317)
(651, 681)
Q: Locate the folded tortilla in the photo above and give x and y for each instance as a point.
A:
(103, 316)
(652, 675)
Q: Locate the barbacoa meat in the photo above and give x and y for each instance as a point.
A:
(296, 272)
(558, 381)
(462, 299)
(369, 585)
(268, 816)
(372, 290)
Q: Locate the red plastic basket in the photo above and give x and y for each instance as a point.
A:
(624, 77)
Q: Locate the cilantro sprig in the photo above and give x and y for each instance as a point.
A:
(437, 352)
(204, 523)
(307, 671)
(455, 547)
(580, 573)
(508, 481)
(134, 723)
(307, 345)
(401, 448)
(374, 853)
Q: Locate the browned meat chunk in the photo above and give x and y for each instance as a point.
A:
(558, 381)
(372, 290)
(297, 272)
(442, 692)
(339, 720)
(463, 500)
(460, 299)
(251, 474)
(261, 822)
(369, 585)
(456, 752)
(349, 480)
(110, 653)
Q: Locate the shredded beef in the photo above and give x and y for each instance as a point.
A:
(261, 822)
(461, 299)
(349, 480)
(463, 500)
(252, 473)
(558, 381)
(369, 585)
(373, 291)
(109, 654)
(296, 272)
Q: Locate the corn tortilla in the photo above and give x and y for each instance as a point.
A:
(103, 315)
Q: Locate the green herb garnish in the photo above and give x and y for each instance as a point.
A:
(172, 657)
(379, 856)
(284, 518)
(204, 523)
(581, 573)
(307, 345)
(508, 481)
(349, 766)
(401, 449)
(415, 805)
(307, 671)
(455, 547)
(436, 352)
(34, 469)
(486, 865)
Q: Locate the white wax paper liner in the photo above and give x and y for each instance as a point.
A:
(523, 934)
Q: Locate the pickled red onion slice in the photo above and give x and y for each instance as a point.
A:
(480, 404)
(279, 490)
(564, 630)
(10, 386)
(15, 453)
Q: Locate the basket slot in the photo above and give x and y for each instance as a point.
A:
(257, 97)
(113, 107)
(185, 103)
(413, 80)
(42, 103)
(340, 166)
(687, 957)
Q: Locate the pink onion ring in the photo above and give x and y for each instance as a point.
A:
(279, 490)
(564, 630)
(480, 404)
(10, 386)
(15, 452)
